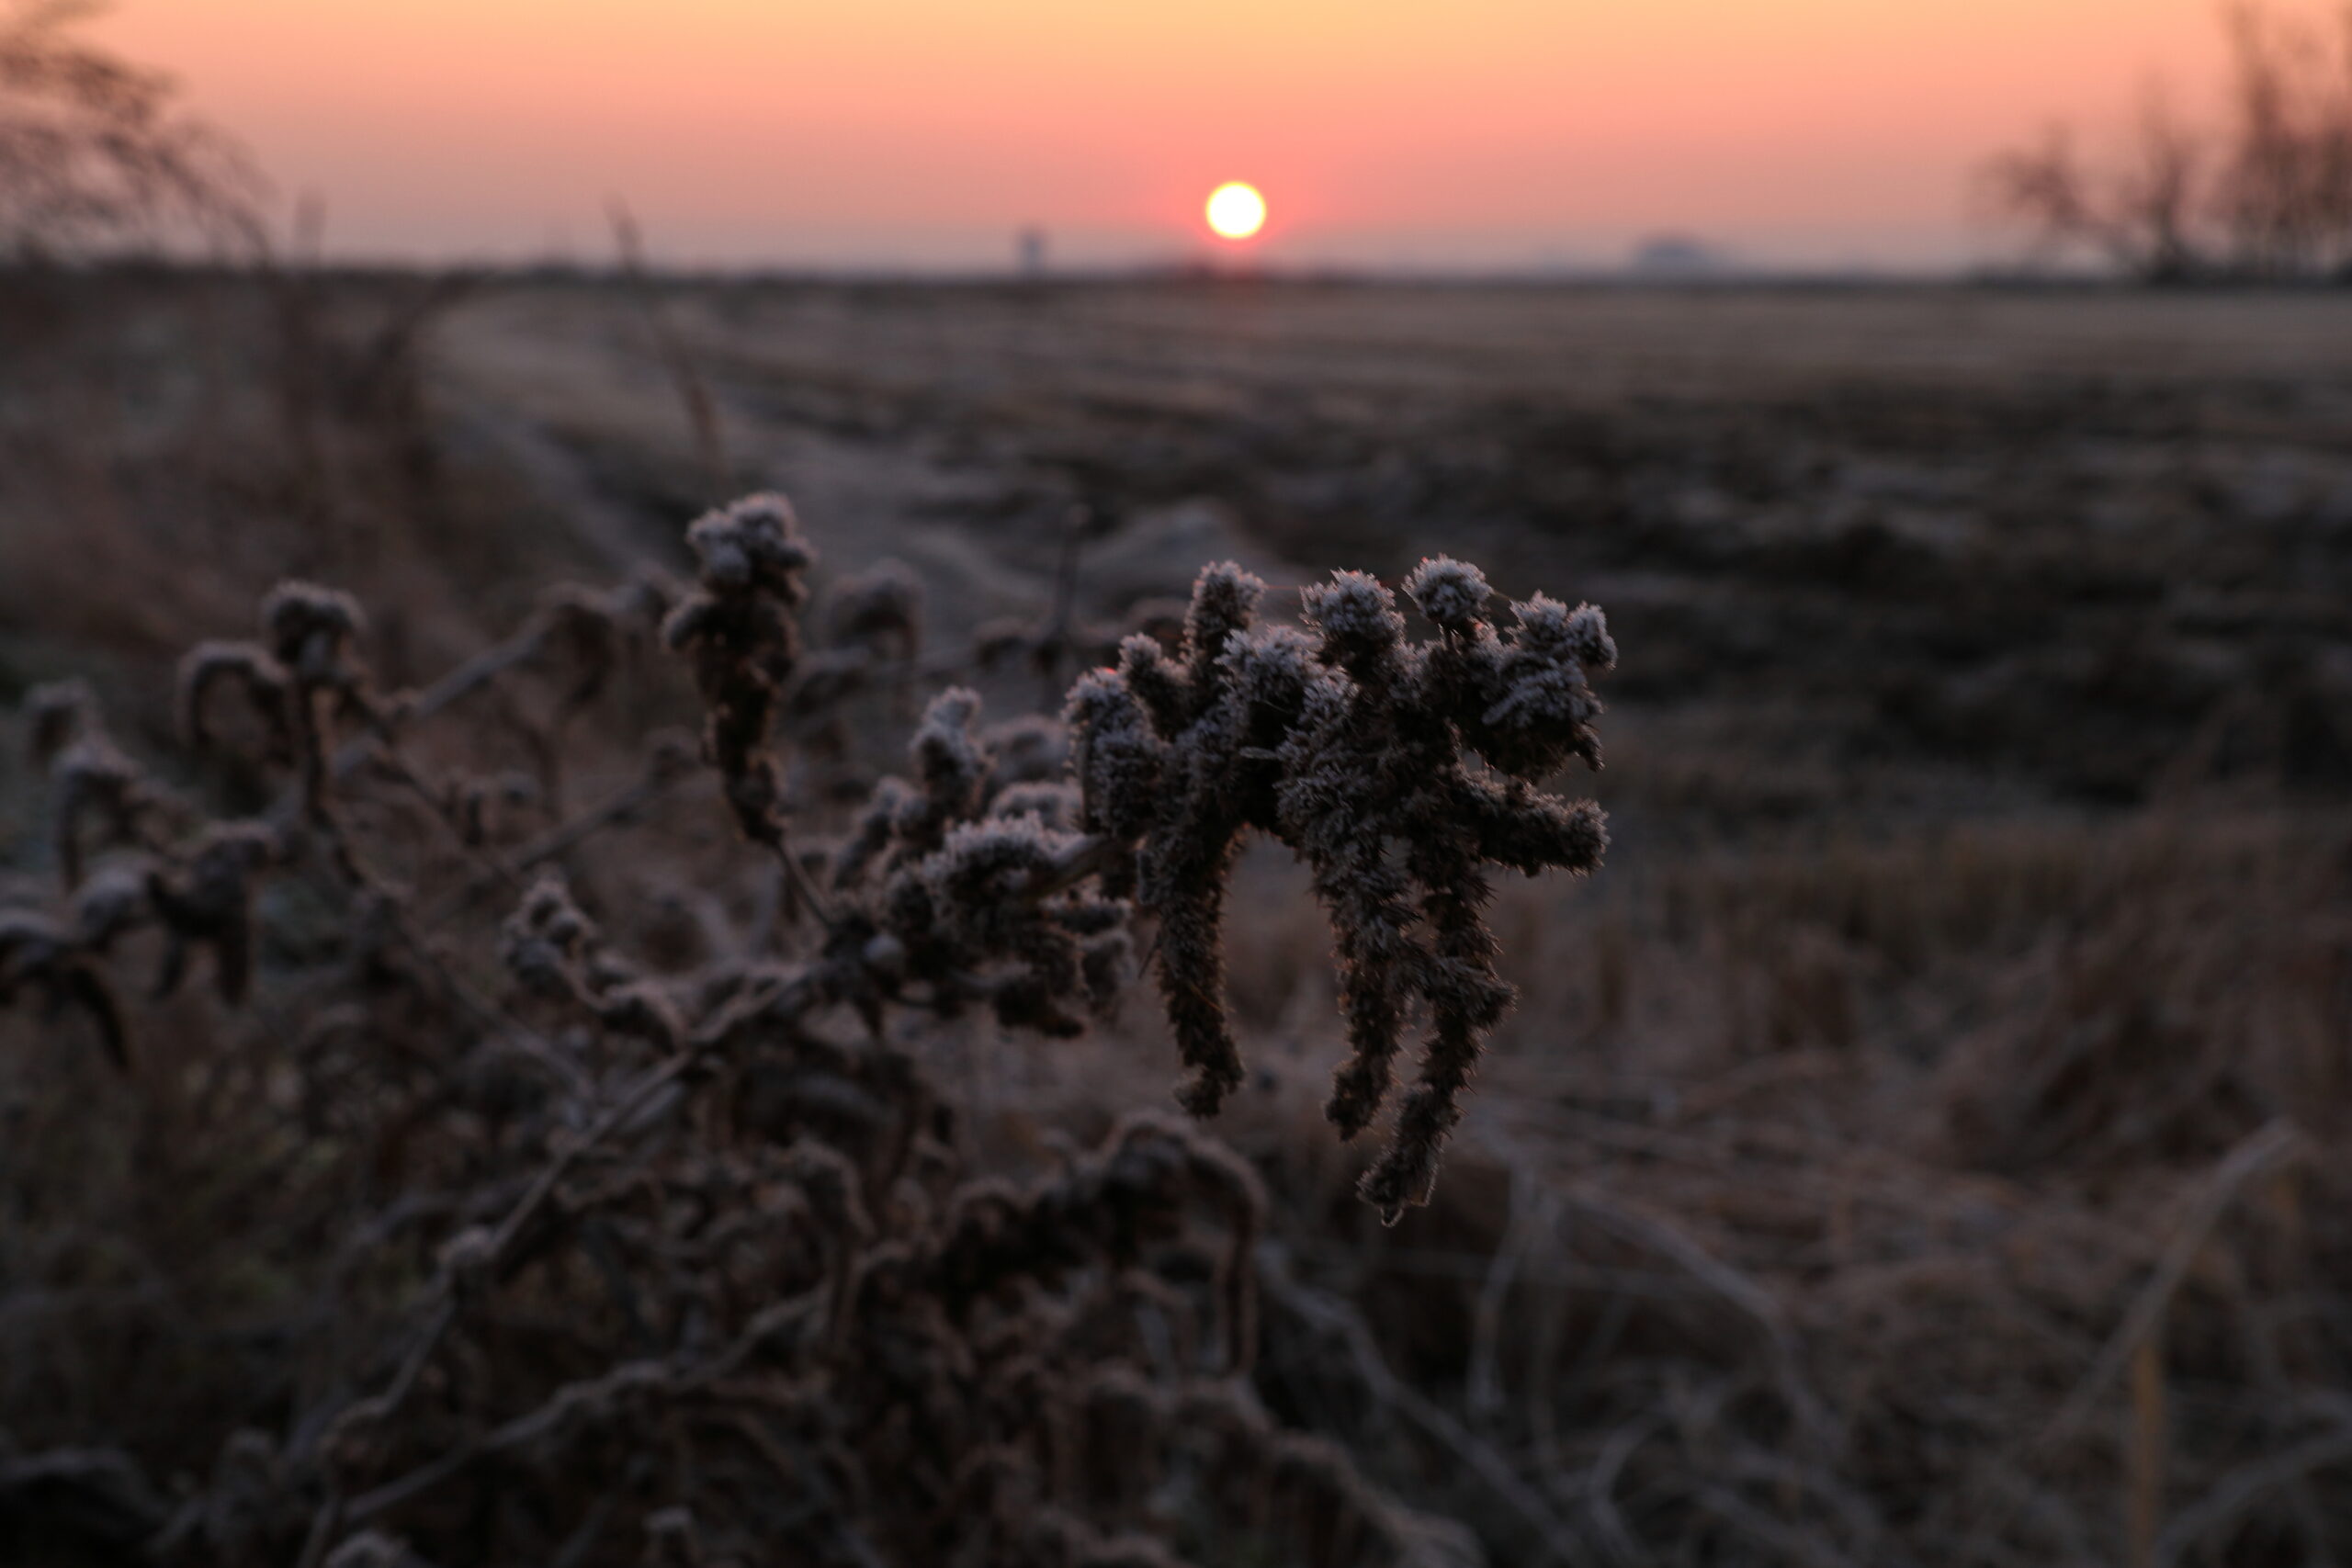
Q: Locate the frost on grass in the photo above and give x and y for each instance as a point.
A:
(1399, 770)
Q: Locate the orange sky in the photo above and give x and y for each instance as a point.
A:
(923, 133)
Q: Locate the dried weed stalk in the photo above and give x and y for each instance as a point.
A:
(1350, 744)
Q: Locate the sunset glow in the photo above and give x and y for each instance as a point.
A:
(931, 133)
(1235, 211)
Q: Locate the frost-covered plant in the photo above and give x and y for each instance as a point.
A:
(879, 609)
(873, 623)
(299, 678)
(1362, 751)
(737, 629)
(690, 1250)
(51, 961)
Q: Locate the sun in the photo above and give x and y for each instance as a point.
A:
(1236, 211)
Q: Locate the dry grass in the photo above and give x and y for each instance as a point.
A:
(1956, 1203)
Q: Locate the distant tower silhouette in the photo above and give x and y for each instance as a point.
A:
(1029, 246)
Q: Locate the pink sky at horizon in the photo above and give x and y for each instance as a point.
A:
(924, 133)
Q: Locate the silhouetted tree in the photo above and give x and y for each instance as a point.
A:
(93, 156)
(2267, 195)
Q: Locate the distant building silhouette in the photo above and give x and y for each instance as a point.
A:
(1678, 255)
(1029, 246)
